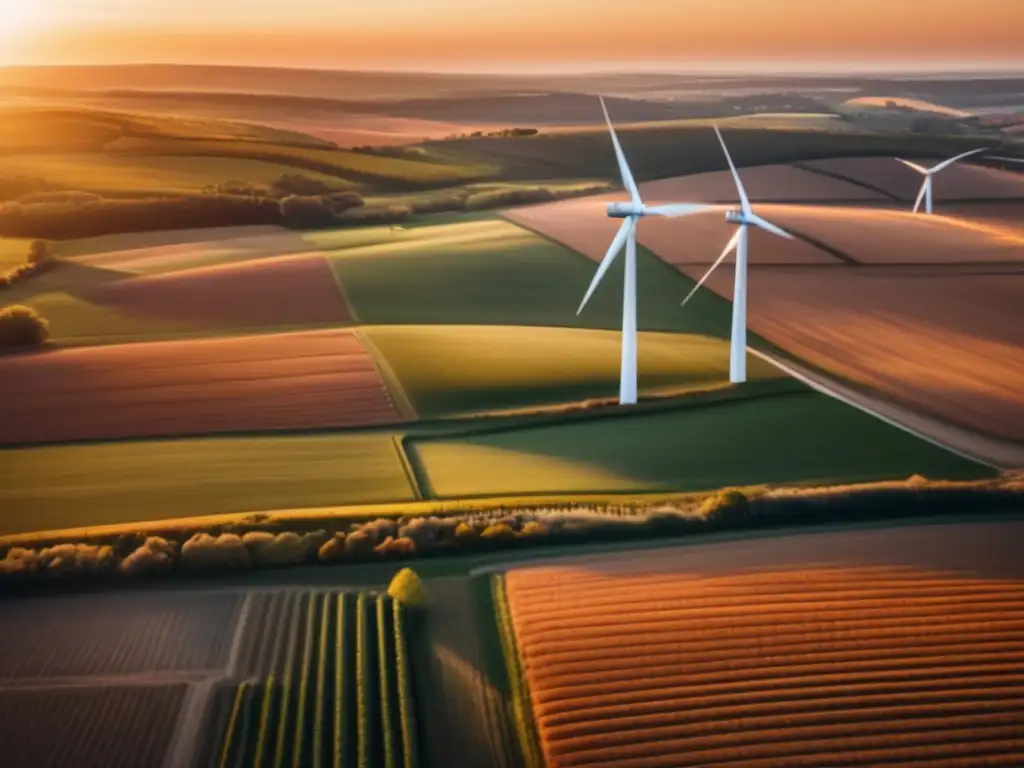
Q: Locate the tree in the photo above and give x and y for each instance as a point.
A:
(302, 212)
(22, 328)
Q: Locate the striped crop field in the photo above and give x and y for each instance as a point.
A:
(643, 664)
(123, 726)
(127, 634)
(325, 681)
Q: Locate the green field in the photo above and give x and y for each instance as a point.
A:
(335, 162)
(488, 271)
(799, 437)
(74, 485)
(100, 172)
(450, 371)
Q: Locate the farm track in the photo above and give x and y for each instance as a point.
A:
(642, 663)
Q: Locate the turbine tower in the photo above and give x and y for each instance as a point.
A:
(928, 173)
(743, 219)
(631, 213)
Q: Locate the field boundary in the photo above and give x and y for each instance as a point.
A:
(803, 166)
(346, 300)
(412, 473)
(519, 688)
(391, 382)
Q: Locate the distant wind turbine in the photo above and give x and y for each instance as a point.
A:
(928, 173)
(631, 213)
(743, 218)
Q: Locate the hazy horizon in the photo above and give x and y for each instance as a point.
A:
(528, 36)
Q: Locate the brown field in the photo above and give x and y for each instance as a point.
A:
(961, 181)
(938, 340)
(137, 240)
(282, 381)
(189, 253)
(894, 646)
(879, 236)
(280, 292)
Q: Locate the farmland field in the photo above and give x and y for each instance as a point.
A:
(332, 689)
(82, 485)
(135, 255)
(939, 340)
(831, 648)
(113, 173)
(961, 181)
(114, 246)
(336, 163)
(123, 726)
(13, 253)
(489, 271)
(495, 368)
(289, 291)
(182, 633)
(247, 383)
(783, 437)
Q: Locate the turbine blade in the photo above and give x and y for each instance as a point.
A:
(627, 175)
(915, 166)
(920, 195)
(728, 249)
(947, 163)
(744, 200)
(769, 227)
(1005, 159)
(677, 210)
(606, 262)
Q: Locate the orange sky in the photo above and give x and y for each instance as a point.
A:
(472, 34)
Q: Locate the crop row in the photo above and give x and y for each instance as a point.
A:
(326, 683)
(791, 666)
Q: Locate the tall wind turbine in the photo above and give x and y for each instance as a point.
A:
(928, 173)
(743, 218)
(631, 213)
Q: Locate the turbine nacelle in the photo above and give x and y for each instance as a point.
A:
(736, 217)
(625, 210)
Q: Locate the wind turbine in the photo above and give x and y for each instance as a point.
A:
(928, 173)
(631, 213)
(743, 219)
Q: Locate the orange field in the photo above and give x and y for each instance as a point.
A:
(961, 181)
(289, 290)
(661, 659)
(282, 381)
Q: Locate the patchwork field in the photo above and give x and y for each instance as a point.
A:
(961, 181)
(938, 340)
(47, 488)
(487, 271)
(334, 689)
(117, 726)
(297, 290)
(283, 381)
(113, 246)
(794, 436)
(103, 172)
(490, 369)
(236, 244)
(844, 648)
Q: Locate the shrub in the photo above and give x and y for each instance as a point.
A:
(389, 214)
(304, 212)
(407, 588)
(22, 328)
(203, 551)
(498, 531)
(239, 188)
(359, 544)
(727, 507)
(400, 546)
(156, 555)
(286, 548)
(343, 201)
(535, 528)
(333, 550)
